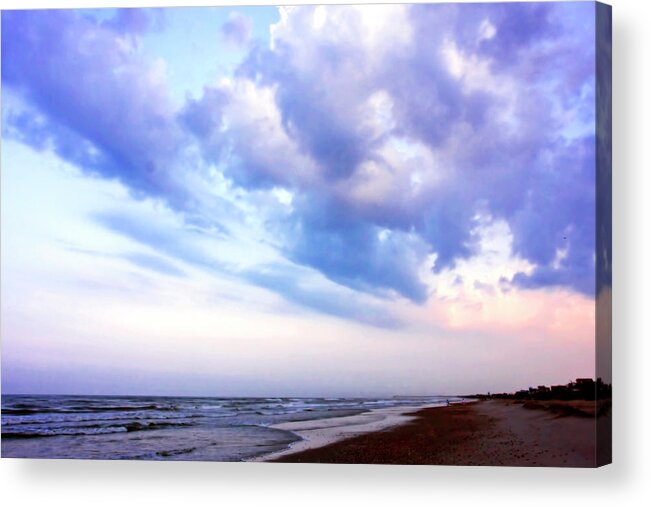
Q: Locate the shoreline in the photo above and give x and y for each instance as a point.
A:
(318, 433)
(483, 433)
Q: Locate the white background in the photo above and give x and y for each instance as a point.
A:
(626, 482)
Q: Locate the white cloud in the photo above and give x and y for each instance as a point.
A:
(486, 30)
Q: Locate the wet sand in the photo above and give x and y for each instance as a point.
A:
(319, 433)
(488, 433)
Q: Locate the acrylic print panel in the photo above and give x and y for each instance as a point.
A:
(342, 234)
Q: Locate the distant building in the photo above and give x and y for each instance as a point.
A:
(581, 389)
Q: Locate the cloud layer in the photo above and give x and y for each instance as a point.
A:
(369, 141)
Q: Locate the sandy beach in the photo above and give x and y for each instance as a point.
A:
(489, 433)
(320, 433)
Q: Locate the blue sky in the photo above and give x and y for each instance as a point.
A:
(310, 200)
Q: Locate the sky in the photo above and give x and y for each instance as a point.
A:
(317, 200)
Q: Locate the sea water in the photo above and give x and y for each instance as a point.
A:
(167, 428)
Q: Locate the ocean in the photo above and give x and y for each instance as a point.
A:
(167, 428)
